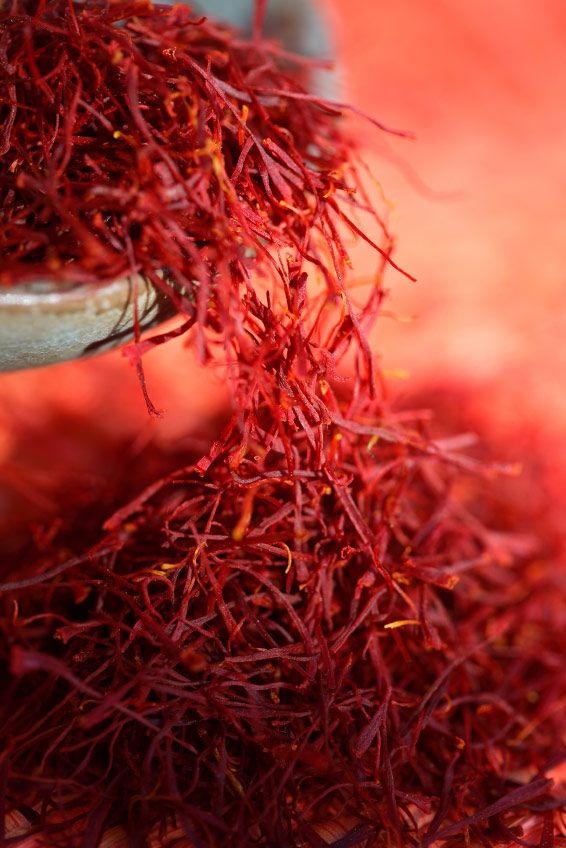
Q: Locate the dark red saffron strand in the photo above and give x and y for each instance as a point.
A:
(306, 637)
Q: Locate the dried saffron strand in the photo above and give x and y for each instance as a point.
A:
(308, 624)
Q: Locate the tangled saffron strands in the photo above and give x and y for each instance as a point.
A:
(305, 637)
(137, 139)
(341, 656)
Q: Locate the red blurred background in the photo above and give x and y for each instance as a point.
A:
(477, 204)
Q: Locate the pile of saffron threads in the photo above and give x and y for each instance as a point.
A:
(306, 636)
(139, 139)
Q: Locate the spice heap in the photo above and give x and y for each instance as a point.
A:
(306, 637)
(137, 139)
